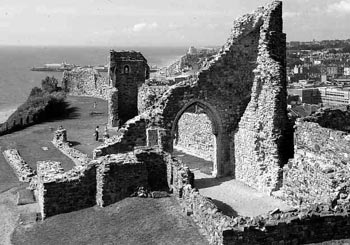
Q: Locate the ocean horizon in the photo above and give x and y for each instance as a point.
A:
(17, 80)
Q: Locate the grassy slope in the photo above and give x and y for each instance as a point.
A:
(131, 221)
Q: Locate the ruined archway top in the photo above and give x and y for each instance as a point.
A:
(209, 110)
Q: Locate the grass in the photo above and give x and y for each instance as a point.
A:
(130, 221)
(80, 125)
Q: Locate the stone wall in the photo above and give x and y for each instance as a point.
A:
(118, 176)
(113, 117)
(155, 161)
(22, 170)
(86, 82)
(61, 143)
(62, 192)
(148, 95)
(130, 135)
(257, 144)
(250, 68)
(195, 135)
(316, 223)
(319, 172)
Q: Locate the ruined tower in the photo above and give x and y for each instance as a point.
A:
(128, 70)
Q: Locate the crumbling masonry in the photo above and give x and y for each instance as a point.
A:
(242, 90)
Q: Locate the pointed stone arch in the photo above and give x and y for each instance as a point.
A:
(217, 130)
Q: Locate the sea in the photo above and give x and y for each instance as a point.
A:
(17, 80)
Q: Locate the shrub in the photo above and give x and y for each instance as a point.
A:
(41, 105)
(36, 92)
(49, 84)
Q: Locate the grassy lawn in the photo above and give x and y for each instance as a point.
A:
(80, 125)
(131, 221)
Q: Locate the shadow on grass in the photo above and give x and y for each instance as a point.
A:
(65, 111)
(224, 208)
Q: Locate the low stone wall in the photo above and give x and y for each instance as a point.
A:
(317, 223)
(61, 143)
(118, 176)
(62, 192)
(132, 134)
(155, 161)
(195, 136)
(86, 82)
(22, 170)
(319, 172)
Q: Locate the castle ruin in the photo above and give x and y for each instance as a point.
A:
(242, 90)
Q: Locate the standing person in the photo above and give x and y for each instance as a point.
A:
(96, 133)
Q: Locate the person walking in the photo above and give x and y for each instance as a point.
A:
(96, 133)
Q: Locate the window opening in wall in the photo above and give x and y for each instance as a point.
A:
(126, 69)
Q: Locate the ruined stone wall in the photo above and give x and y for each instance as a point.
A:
(148, 95)
(61, 143)
(316, 223)
(22, 169)
(113, 116)
(118, 176)
(130, 135)
(319, 172)
(257, 143)
(86, 82)
(62, 192)
(195, 136)
(254, 53)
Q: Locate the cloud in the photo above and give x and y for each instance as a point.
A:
(287, 15)
(56, 10)
(10, 12)
(144, 26)
(341, 7)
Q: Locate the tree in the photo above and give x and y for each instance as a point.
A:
(35, 92)
(49, 84)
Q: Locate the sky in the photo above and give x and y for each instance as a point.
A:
(158, 22)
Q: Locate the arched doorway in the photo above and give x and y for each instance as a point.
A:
(207, 145)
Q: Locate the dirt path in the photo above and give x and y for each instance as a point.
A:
(236, 198)
(231, 196)
(10, 212)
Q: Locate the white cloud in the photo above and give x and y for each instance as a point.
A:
(341, 7)
(10, 12)
(144, 26)
(56, 10)
(287, 15)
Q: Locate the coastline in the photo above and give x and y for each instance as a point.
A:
(5, 113)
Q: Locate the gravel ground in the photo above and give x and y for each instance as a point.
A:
(231, 196)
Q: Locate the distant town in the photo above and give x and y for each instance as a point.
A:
(318, 74)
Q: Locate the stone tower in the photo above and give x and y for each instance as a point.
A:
(128, 71)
